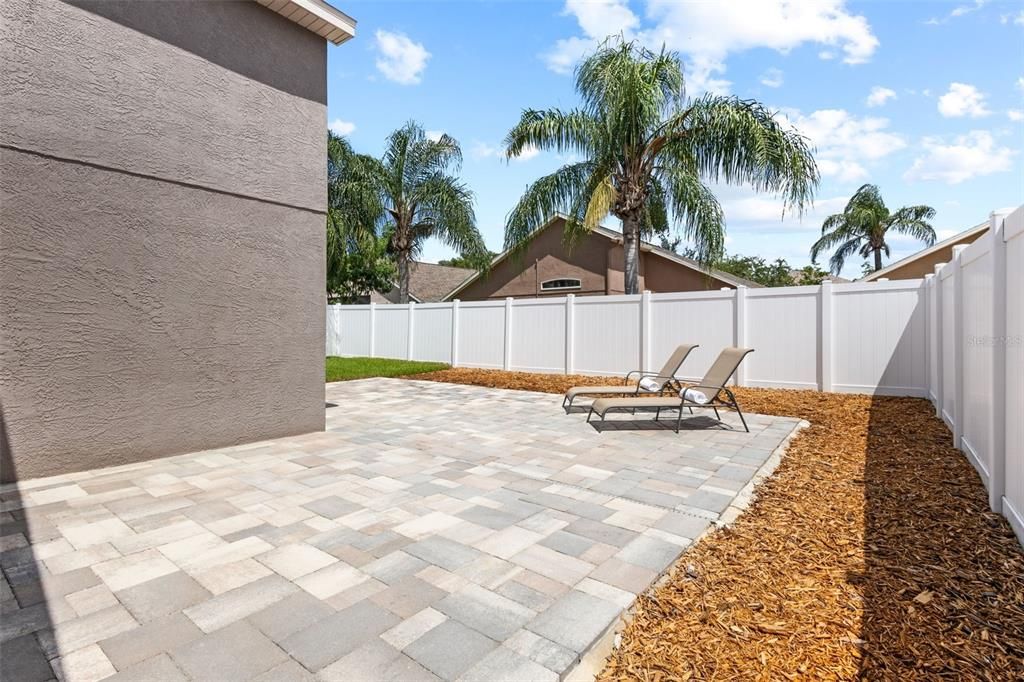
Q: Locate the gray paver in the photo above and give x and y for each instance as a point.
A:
(509, 524)
(651, 553)
(505, 665)
(290, 615)
(575, 620)
(331, 638)
(447, 554)
(149, 640)
(450, 649)
(373, 661)
(163, 596)
(492, 614)
(157, 669)
(236, 652)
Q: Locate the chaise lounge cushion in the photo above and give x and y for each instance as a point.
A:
(598, 390)
(602, 405)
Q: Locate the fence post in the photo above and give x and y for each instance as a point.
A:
(940, 374)
(997, 423)
(645, 331)
(740, 330)
(507, 361)
(412, 317)
(455, 332)
(958, 346)
(928, 293)
(373, 328)
(826, 335)
(570, 324)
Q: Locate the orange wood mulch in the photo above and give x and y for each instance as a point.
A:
(870, 553)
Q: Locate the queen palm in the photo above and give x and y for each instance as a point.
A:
(646, 153)
(421, 197)
(863, 225)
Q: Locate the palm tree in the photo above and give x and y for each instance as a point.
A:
(647, 151)
(862, 227)
(421, 198)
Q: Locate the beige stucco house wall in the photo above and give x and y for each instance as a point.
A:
(596, 260)
(162, 202)
(923, 262)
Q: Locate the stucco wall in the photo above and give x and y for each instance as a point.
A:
(545, 258)
(161, 232)
(917, 268)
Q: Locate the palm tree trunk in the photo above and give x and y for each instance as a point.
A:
(878, 260)
(402, 259)
(631, 252)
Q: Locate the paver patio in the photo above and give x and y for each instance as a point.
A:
(433, 531)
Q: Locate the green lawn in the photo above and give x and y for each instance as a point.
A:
(344, 369)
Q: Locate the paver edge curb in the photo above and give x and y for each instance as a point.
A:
(592, 661)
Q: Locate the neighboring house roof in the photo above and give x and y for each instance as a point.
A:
(797, 277)
(616, 236)
(968, 234)
(316, 16)
(428, 283)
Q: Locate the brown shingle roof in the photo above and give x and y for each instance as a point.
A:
(428, 283)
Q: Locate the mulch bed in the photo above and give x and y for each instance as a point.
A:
(870, 553)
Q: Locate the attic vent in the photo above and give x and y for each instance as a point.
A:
(560, 284)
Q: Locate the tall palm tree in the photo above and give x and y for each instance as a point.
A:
(647, 151)
(421, 197)
(862, 227)
(357, 258)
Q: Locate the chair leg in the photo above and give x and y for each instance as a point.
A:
(740, 413)
(657, 414)
(679, 417)
(717, 416)
(589, 414)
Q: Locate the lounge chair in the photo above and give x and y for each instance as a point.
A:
(666, 377)
(713, 385)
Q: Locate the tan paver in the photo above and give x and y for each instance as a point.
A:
(432, 530)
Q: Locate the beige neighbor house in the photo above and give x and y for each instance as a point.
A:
(592, 267)
(162, 206)
(923, 262)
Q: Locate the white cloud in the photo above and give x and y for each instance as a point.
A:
(963, 99)
(401, 59)
(1020, 83)
(1015, 114)
(527, 153)
(958, 11)
(339, 127)
(482, 150)
(879, 96)
(434, 135)
(971, 155)
(843, 170)
(748, 212)
(838, 134)
(706, 33)
(772, 78)
(1017, 19)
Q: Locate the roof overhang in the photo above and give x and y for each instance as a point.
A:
(966, 234)
(316, 16)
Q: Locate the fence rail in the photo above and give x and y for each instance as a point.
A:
(956, 337)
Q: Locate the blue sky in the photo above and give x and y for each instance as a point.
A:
(925, 99)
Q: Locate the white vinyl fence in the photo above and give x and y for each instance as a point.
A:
(844, 337)
(955, 337)
(975, 352)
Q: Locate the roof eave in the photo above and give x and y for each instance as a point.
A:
(317, 16)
